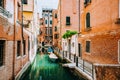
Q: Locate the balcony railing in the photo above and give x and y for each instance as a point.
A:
(5, 12)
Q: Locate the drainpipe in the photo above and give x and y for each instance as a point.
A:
(60, 25)
(22, 29)
(13, 69)
(48, 27)
(79, 15)
(78, 29)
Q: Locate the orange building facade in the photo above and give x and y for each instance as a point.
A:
(96, 47)
(55, 28)
(41, 36)
(99, 27)
(14, 41)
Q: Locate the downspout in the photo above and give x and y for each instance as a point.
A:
(60, 26)
(22, 30)
(13, 69)
(79, 15)
(22, 20)
(48, 28)
(78, 30)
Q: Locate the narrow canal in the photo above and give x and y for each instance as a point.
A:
(44, 69)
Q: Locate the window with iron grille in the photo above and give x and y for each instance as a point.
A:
(68, 20)
(24, 47)
(2, 52)
(25, 1)
(2, 3)
(88, 20)
(88, 46)
(18, 48)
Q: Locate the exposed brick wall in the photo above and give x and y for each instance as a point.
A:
(103, 49)
(6, 69)
(107, 72)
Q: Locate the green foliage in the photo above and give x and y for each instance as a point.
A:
(69, 34)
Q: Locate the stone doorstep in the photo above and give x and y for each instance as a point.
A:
(25, 67)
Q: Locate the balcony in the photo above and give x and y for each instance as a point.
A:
(5, 12)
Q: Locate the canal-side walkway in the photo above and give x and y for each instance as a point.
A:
(44, 69)
(84, 68)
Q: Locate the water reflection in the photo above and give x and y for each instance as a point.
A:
(44, 69)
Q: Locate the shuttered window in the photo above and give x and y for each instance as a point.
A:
(67, 20)
(88, 20)
(88, 46)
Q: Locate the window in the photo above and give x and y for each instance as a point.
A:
(18, 48)
(2, 51)
(25, 1)
(2, 3)
(88, 20)
(24, 47)
(55, 28)
(67, 20)
(55, 15)
(45, 21)
(88, 46)
(50, 21)
(50, 31)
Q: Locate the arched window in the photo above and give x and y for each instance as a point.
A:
(88, 20)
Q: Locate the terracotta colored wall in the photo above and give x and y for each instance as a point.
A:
(55, 22)
(104, 33)
(69, 10)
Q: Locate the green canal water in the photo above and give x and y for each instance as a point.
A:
(43, 69)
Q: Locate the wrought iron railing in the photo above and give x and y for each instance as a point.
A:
(86, 66)
(5, 12)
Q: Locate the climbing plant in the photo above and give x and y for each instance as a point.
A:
(69, 34)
